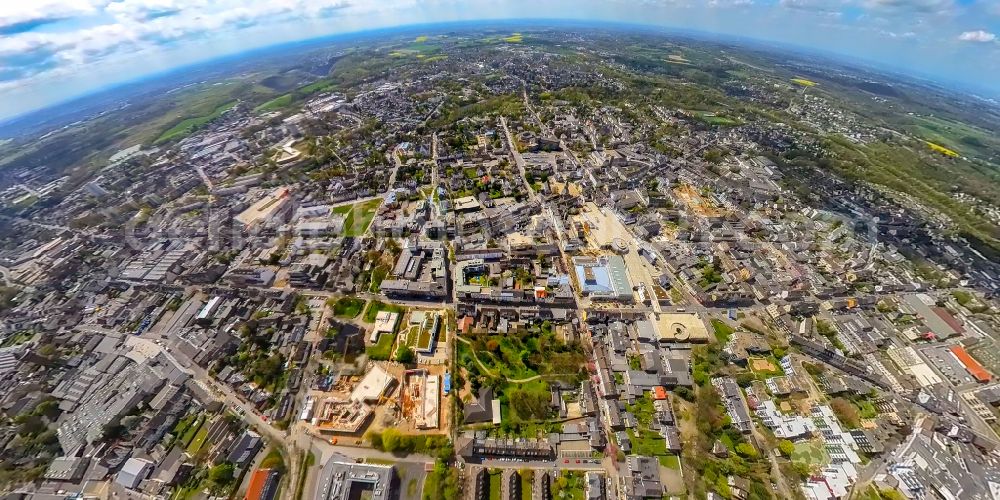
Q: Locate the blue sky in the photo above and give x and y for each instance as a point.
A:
(52, 50)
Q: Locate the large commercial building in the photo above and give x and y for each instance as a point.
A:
(342, 480)
(421, 272)
(603, 278)
(273, 207)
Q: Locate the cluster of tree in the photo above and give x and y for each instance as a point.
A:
(564, 484)
(221, 478)
(7, 295)
(393, 441)
(35, 444)
(405, 354)
(529, 404)
(442, 483)
(846, 412)
(713, 424)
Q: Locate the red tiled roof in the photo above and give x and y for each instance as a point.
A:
(258, 480)
(975, 369)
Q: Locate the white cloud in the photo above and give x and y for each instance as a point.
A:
(18, 12)
(979, 36)
(129, 26)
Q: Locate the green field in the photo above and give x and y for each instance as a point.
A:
(419, 49)
(348, 307)
(953, 135)
(199, 440)
(189, 125)
(645, 441)
(382, 350)
(526, 482)
(570, 485)
(359, 216)
(715, 119)
(518, 361)
(811, 453)
(191, 431)
(722, 330)
(275, 104)
(25, 201)
(285, 101)
(180, 429)
(317, 86)
(495, 478)
(377, 306)
(424, 339)
(17, 338)
(671, 462)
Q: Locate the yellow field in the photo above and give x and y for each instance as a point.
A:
(420, 39)
(515, 38)
(803, 82)
(941, 149)
(678, 59)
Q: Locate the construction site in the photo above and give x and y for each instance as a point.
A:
(351, 403)
(386, 396)
(696, 202)
(420, 399)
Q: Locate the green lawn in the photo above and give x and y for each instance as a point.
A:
(191, 431)
(526, 480)
(189, 125)
(424, 339)
(378, 275)
(180, 429)
(25, 201)
(317, 86)
(495, 479)
(17, 338)
(199, 440)
(671, 462)
(525, 402)
(570, 485)
(359, 216)
(646, 441)
(377, 306)
(714, 119)
(273, 460)
(348, 307)
(722, 330)
(275, 104)
(382, 349)
(810, 453)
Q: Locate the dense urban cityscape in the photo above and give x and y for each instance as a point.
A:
(548, 263)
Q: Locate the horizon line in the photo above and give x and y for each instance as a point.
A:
(965, 87)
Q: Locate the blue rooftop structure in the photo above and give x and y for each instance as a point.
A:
(603, 277)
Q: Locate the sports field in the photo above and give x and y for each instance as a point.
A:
(811, 453)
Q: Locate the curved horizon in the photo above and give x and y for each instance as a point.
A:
(952, 42)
